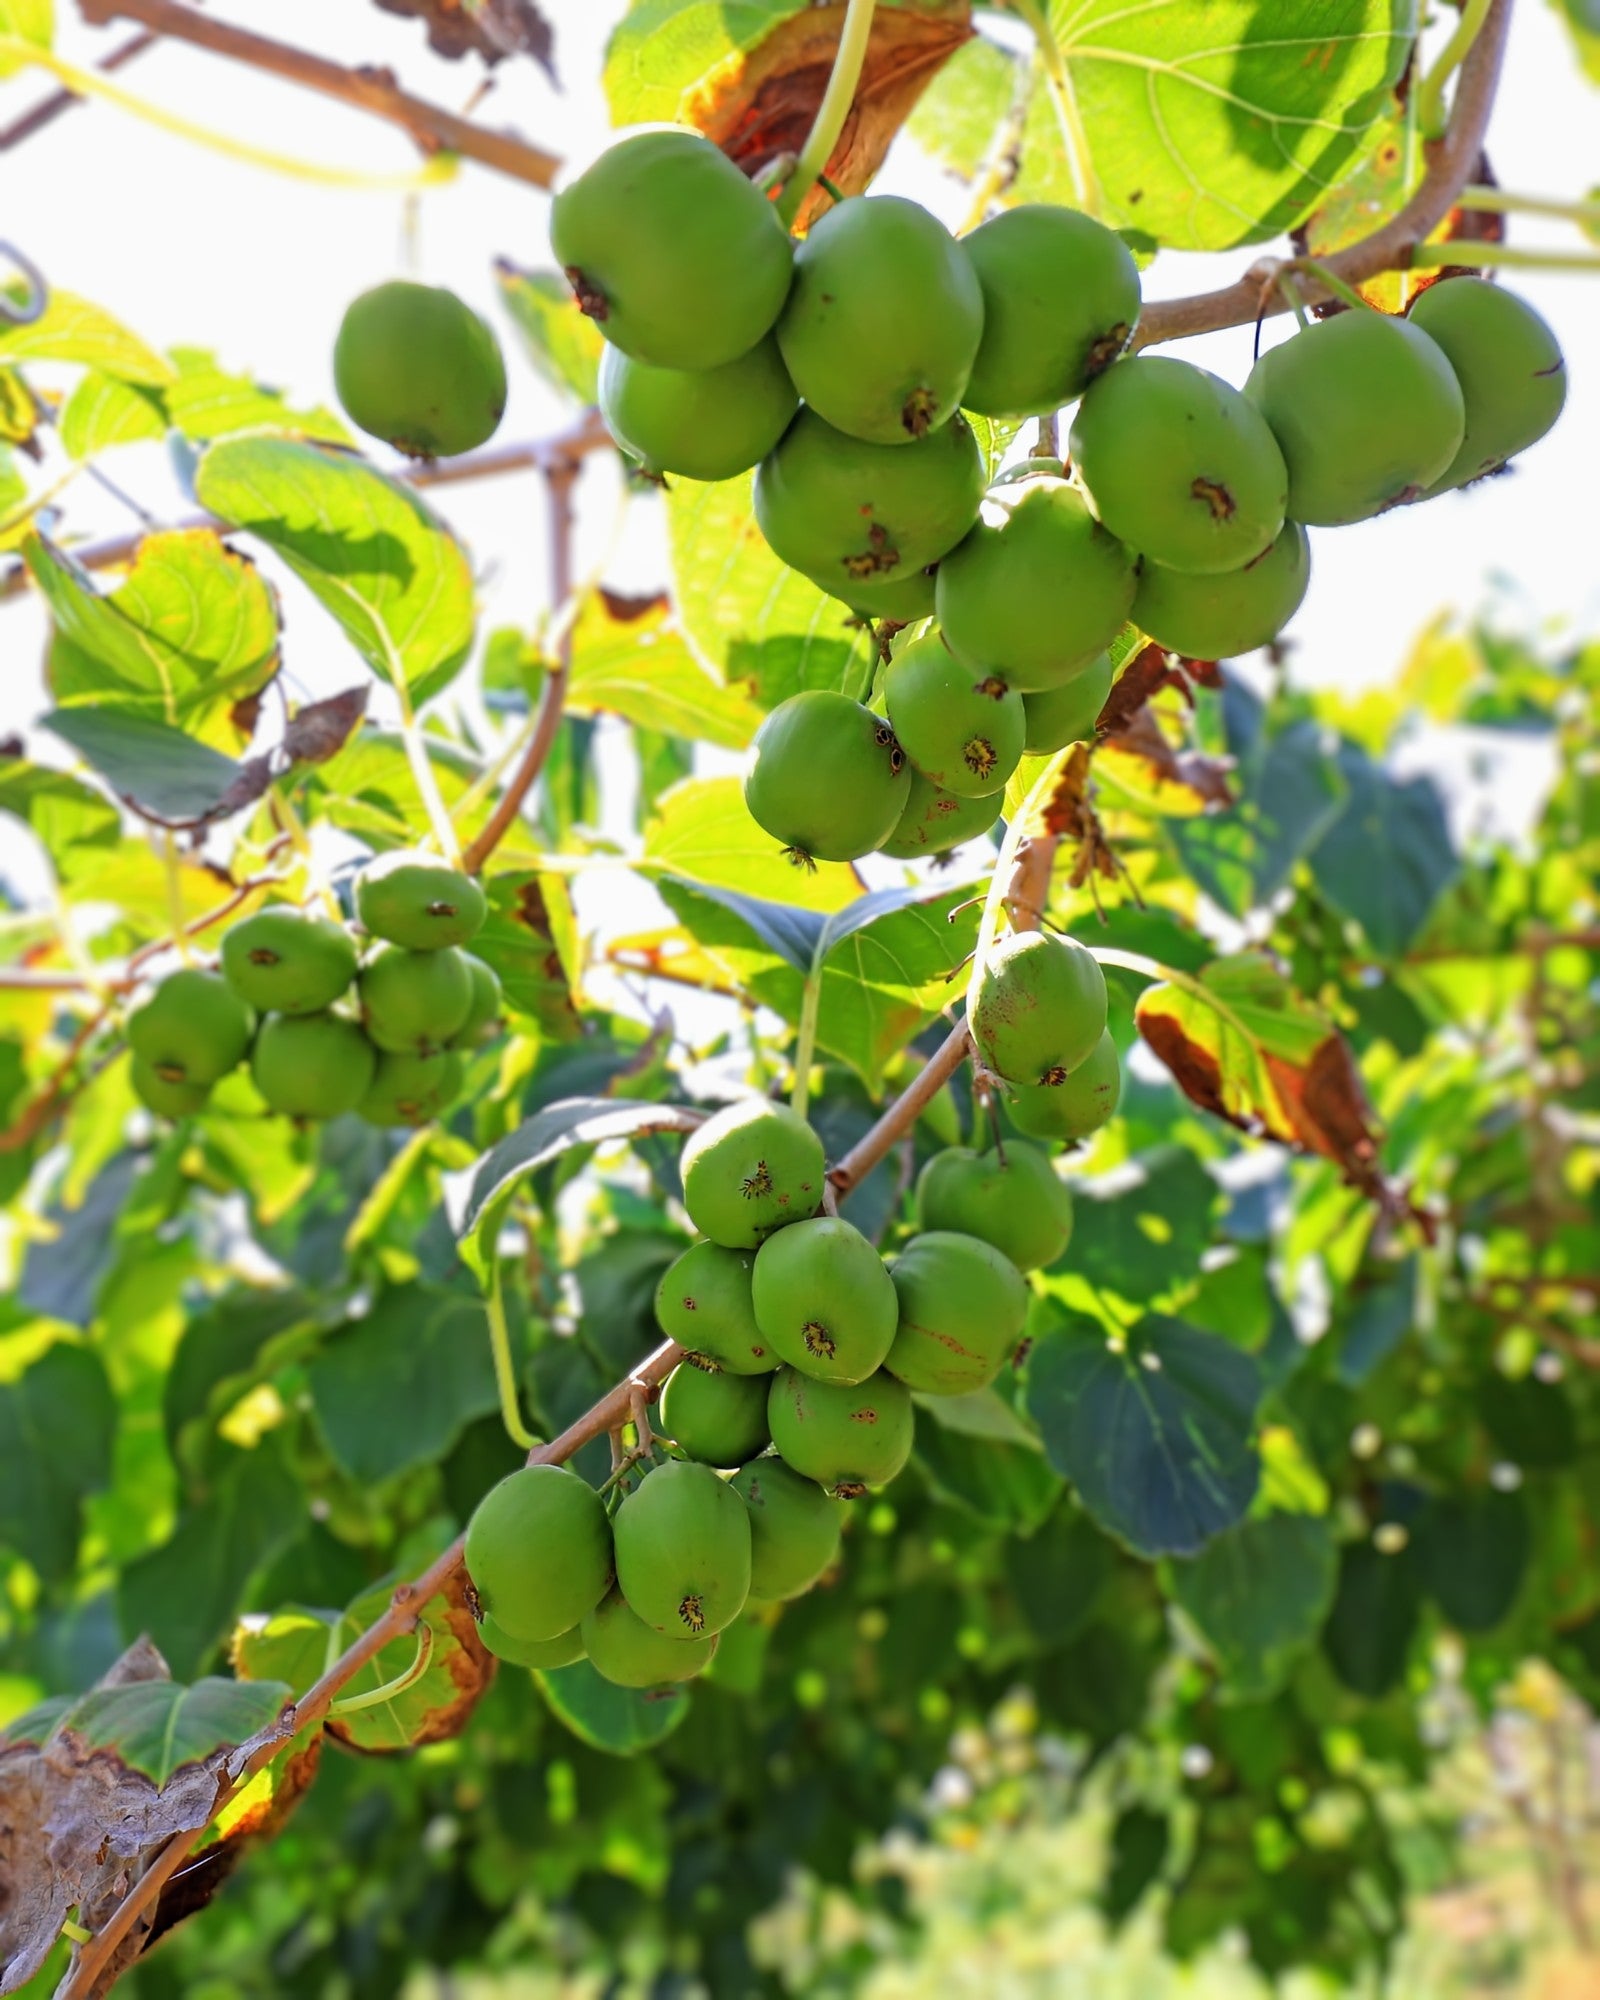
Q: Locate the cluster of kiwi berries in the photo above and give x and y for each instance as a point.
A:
(839, 370)
(802, 1353)
(324, 1032)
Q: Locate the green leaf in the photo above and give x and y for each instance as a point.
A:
(224, 1351)
(1008, 1485)
(703, 830)
(365, 545)
(170, 777)
(1388, 857)
(1384, 1312)
(28, 21)
(1259, 1595)
(571, 1121)
(1375, 1613)
(1155, 1435)
(529, 921)
(64, 814)
(887, 962)
(58, 1424)
(1220, 125)
(206, 401)
(749, 616)
(562, 343)
(103, 412)
(71, 329)
(661, 48)
(1472, 1553)
(187, 1592)
(1293, 792)
(628, 660)
(189, 633)
(1140, 1238)
(620, 1721)
(158, 1727)
(1139, 1843)
(395, 1389)
(1059, 1574)
(971, 102)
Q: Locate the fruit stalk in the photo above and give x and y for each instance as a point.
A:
(833, 110)
(1430, 98)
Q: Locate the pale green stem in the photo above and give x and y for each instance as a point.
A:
(300, 840)
(1297, 305)
(832, 111)
(1496, 256)
(805, 1046)
(1505, 201)
(1330, 281)
(1000, 881)
(177, 917)
(90, 83)
(349, 1704)
(425, 777)
(1058, 80)
(1431, 114)
(494, 1306)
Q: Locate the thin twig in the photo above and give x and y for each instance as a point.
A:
(50, 108)
(433, 129)
(586, 435)
(1452, 162)
(560, 478)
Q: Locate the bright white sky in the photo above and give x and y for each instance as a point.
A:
(189, 247)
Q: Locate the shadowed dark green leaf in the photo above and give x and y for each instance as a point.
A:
(1259, 1594)
(58, 1422)
(621, 1721)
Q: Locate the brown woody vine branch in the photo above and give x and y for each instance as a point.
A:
(375, 91)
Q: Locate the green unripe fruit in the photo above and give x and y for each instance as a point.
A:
(626, 1651)
(538, 1551)
(562, 1651)
(795, 1529)
(1368, 413)
(1067, 714)
(748, 1170)
(883, 319)
(702, 423)
(166, 1100)
(703, 1303)
(1217, 617)
(826, 778)
(846, 1436)
(415, 1002)
(964, 733)
(484, 1011)
(282, 962)
(673, 253)
(1015, 1201)
(901, 603)
(193, 1029)
(1060, 298)
(1039, 1007)
(1510, 367)
(411, 900)
(312, 1065)
(935, 820)
(824, 1301)
(683, 1551)
(1179, 465)
(962, 1308)
(416, 366)
(847, 513)
(716, 1417)
(1079, 1105)
(1038, 589)
(411, 1090)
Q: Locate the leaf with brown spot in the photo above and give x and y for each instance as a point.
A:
(1246, 1047)
(294, 1646)
(1159, 775)
(1150, 670)
(759, 103)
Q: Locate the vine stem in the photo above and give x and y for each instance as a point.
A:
(1506, 201)
(1497, 256)
(1058, 79)
(805, 1046)
(422, 771)
(1430, 97)
(371, 90)
(47, 112)
(832, 111)
(90, 83)
(505, 1375)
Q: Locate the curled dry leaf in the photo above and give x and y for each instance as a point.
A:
(492, 29)
(759, 103)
